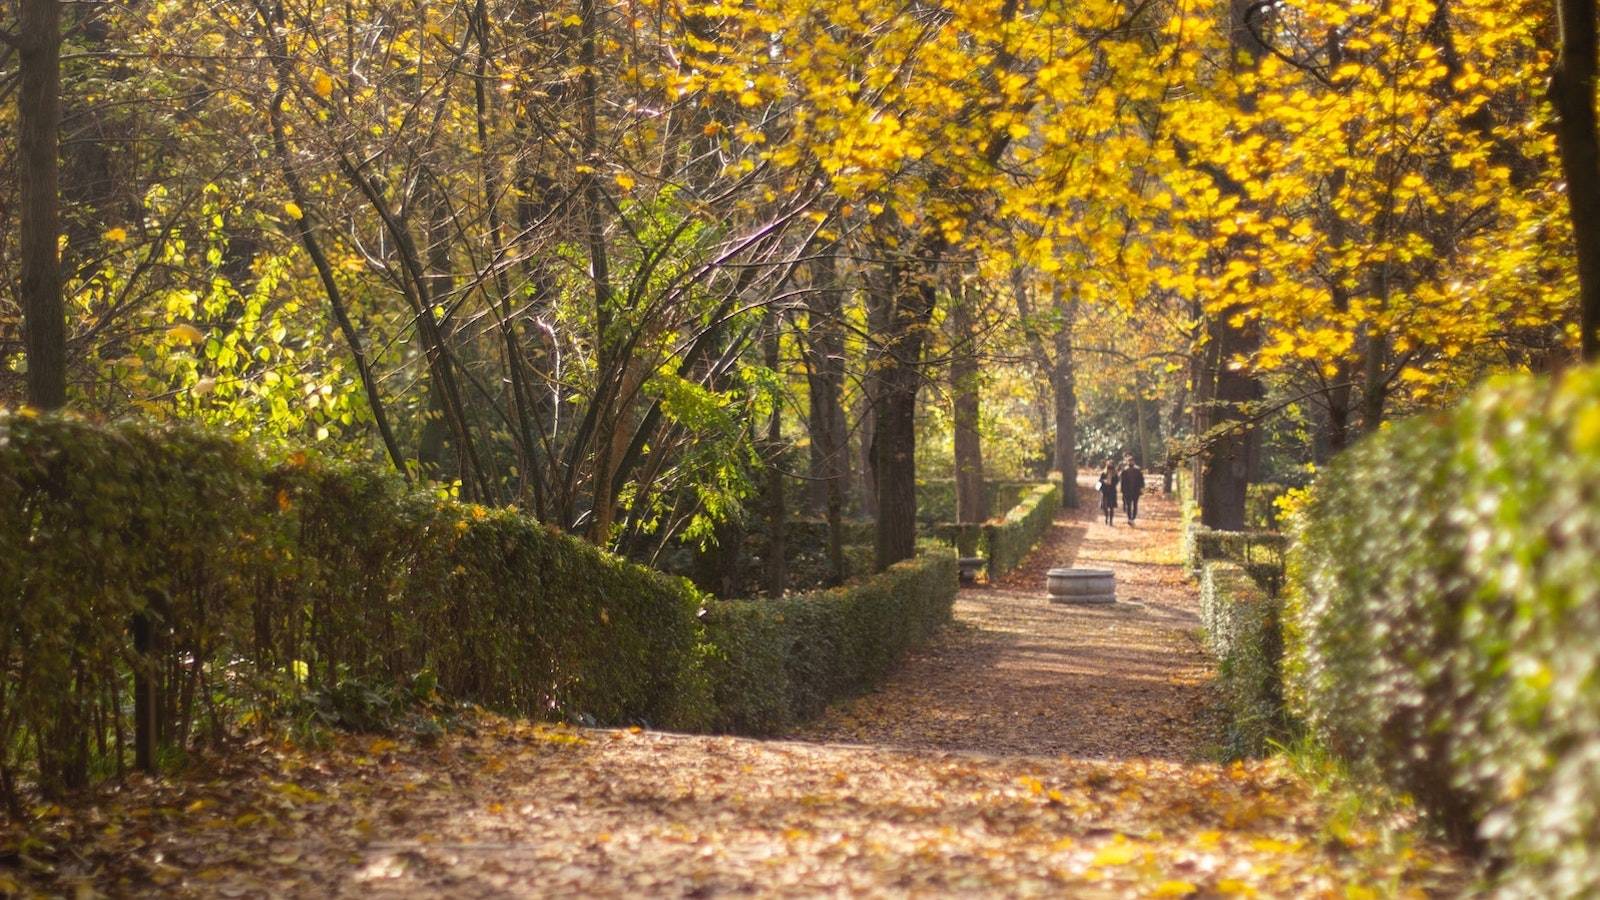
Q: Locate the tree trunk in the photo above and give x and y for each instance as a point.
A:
(1064, 384)
(38, 144)
(970, 505)
(912, 295)
(1225, 474)
(1572, 91)
(824, 348)
(1228, 457)
(777, 570)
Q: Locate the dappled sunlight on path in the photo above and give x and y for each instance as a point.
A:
(1031, 749)
(1021, 675)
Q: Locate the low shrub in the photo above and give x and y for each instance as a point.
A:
(778, 662)
(245, 588)
(262, 582)
(936, 498)
(1009, 541)
(1243, 633)
(1252, 549)
(1443, 615)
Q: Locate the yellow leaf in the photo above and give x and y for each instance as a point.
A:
(294, 210)
(625, 181)
(1174, 889)
(116, 235)
(322, 83)
(1116, 855)
(186, 333)
(1236, 887)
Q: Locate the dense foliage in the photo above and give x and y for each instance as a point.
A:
(1444, 617)
(273, 586)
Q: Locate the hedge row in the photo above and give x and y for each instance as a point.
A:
(1008, 541)
(270, 580)
(778, 662)
(1261, 553)
(1444, 619)
(936, 497)
(1242, 630)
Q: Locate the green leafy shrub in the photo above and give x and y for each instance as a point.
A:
(781, 661)
(264, 582)
(1248, 548)
(1010, 540)
(1443, 616)
(1243, 632)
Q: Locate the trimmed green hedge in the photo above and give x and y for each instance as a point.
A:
(271, 581)
(1261, 552)
(779, 662)
(1444, 621)
(1243, 632)
(936, 498)
(1009, 541)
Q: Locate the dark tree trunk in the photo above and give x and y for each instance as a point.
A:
(970, 505)
(830, 450)
(38, 143)
(1572, 91)
(912, 295)
(1229, 454)
(777, 570)
(824, 343)
(1064, 385)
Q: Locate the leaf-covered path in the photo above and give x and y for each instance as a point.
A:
(1031, 749)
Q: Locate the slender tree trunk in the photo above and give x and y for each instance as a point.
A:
(777, 549)
(964, 374)
(38, 162)
(1064, 385)
(1572, 91)
(830, 452)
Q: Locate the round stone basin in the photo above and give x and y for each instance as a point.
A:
(1081, 586)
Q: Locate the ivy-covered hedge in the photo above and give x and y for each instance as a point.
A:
(272, 582)
(1242, 630)
(1008, 541)
(778, 662)
(1444, 618)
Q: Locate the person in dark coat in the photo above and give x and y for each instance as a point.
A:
(1132, 486)
(1108, 493)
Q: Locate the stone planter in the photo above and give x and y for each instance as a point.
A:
(1082, 586)
(970, 567)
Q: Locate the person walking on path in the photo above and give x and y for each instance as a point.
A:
(1108, 493)
(1132, 486)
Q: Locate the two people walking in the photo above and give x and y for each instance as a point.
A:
(1129, 481)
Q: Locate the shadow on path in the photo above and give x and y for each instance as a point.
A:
(1018, 675)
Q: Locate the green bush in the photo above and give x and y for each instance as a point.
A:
(266, 581)
(779, 662)
(299, 585)
(1251, 549)
(1443, 620)
(1009, 541)
(1243, 632)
